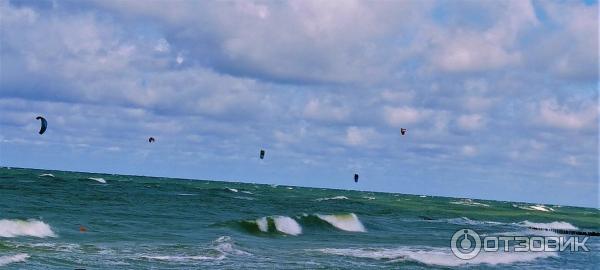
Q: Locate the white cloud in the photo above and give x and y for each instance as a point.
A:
(571, 160)
(397, 96)
(572, 48)
(162, 46)
(467, 50)
(476, 104)
(356, 136)
(399, 116)
(469, 150)
(325, 111)
(471, 52)
(552, 114)
(179, 59)
(471, 121)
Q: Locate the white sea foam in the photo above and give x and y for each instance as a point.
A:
(222, 246)
(423, 196)
(186, 194)
(437, 256)
(470, 202)
(21, 257)
(247, 192)
(46, 175)
(263, 224)
(56, 247)
(225, 244)
(232, 189)
(556, 225)
(183, 258)
(467, 221)
(98, 179)
(368, 198)
(35, 228)
(283, 224)
(543, 208)
(332, 198)
(346, 222)
(287, 225)
(538, 207)
(245, 198)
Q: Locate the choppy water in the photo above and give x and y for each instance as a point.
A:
(159, 223)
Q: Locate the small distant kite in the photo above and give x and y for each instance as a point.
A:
(402, 131)
(262, 154)
(44, 124)
(151, 139)
(356, 178)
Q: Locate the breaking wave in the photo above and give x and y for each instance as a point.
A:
(345, 222)
(218, 250)
(556, 225)
(280, 224)
(46, 175)
(294, 226)
(32, 227)
(21, 257)
(436, 256)
(332, 198)
(470, 202)
(98, 179)
(287, 225)
(463, 221)
(538, 207)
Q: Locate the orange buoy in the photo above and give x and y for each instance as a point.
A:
(82, 229)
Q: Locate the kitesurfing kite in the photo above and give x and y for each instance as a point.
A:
(44, 124)
(151, 139)
(262, 154)
(356, 178)
(403, 131)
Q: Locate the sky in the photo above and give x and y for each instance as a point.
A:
(500, 98)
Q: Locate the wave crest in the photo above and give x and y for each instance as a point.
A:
(556, 225)
(21, 257)
(272, 224)
(538, 207)
(345, 222)
(32, 227)
(469, 202)
(436, 256)
(98, 179)
(287, 225)
(294, 226)
(332, 198)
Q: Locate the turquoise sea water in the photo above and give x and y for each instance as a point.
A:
(134, 222)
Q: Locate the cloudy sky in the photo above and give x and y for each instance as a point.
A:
(500, 98)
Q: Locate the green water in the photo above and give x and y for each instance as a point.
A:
(136, 222)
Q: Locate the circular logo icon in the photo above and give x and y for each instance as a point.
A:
(465, 244)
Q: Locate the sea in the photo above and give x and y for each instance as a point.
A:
(73, 220)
